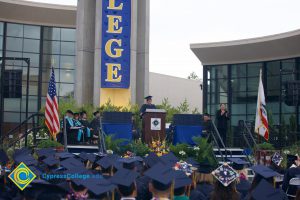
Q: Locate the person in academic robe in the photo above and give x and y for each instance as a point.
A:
(86, 126)
(147, 105)
(95, 126)
(292, 172)
(71, 128)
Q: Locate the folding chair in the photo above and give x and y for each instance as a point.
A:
(294, 182)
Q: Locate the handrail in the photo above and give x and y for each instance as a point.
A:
(24, 135)
(218, 146)
(249, 132)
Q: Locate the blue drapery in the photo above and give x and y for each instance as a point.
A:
(185, 134)
(123, 131)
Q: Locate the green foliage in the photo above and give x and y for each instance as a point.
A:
(48, 143)
(139, 148)
(193, 76)
(114, 144)
(176, 149)
(204, 151)
(265, 146)
(184, 107)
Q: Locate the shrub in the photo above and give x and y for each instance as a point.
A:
(204, 151)
(48, 143)
(264, 146)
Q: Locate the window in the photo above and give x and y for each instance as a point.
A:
(15, 30)
(31, 46)
(14, 44)
(12, 84)
(32, 32)
(68, 34)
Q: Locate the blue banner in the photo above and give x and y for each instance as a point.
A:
(116, 33)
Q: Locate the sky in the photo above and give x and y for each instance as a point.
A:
(175, 24)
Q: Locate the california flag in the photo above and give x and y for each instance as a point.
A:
(261, 120)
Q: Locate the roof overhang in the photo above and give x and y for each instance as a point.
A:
(273, 47)
(28, 12)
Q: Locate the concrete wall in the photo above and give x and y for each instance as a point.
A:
(176, 90)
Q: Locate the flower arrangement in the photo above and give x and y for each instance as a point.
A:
(109, 151)
(185, 167)
(158, 147)
(128, 154)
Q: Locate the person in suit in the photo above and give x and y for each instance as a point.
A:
(147, 105)
(222, 117)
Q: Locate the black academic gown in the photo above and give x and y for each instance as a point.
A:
(143, 192)
(71, 133)
(145, 107)
(290, 173)
(204, 188)
(243, 187)
(95, 125)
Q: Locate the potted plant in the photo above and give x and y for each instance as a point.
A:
(263, 153)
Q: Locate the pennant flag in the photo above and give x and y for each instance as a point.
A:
(261, 120)
(51, 111)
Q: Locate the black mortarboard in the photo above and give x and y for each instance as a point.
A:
(169, 158)
(51, 161)
(42, 153)
(161, 176)
(238, 163)
(21, 152)
(87, 156)
(277, 158)
(181, 179)
(3, 157)
(108, 161)
(148, 97)
(26, 159)
(96, 112)
(192, 162)
(124, 177)
(205, 167)
(225, 174)
(130, 163)
(35, 170)
(151, 159)
(70, 112)
(264, 171)
(265, 191)
(98, 186)
(71, 163)
(64, 155)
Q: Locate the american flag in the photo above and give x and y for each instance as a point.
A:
(51, 111)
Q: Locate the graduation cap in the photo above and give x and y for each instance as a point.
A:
(51, 161)
(21, 152)
(26, 159)
(291, 158)
(264, 171)
(87, 157)
(71, 163)
(181, 179)
(192, 162)
(3, 157)
(169, 159)
(99, 186)
(277, 158)
(42, 153)
(151, 159)
(237, 163)
(130, 163)
(108, 161)
(161, 176)
(225, 174)
(205, 167)
(124, 177)
(148, 97)
(265, 191)
(35, 170)
(64, 155)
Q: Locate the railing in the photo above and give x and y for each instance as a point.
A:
(13, 138)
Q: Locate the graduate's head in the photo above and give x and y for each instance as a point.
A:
(148, 99)
(262, 173)
(97, 114)
(222, 106)
(76, 116)
(206, 117)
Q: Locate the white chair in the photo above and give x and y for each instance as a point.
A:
(279, 178)
(293, 182)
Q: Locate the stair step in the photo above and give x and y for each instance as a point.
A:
(233, 156)
(82, 148)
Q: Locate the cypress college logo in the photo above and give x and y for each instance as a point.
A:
(22, 176)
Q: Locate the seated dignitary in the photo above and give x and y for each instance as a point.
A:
(125, 180)
(263, 173)
(290, 173)
(225, 186)
(204, 181)
(242, 183)
(161, 180)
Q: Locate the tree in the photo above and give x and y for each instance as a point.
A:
(193, 76)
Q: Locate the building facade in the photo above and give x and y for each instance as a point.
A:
(231, 75)
(67, 38)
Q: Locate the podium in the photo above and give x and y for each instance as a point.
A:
(154, 127)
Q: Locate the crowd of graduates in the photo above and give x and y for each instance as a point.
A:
(110, 176)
